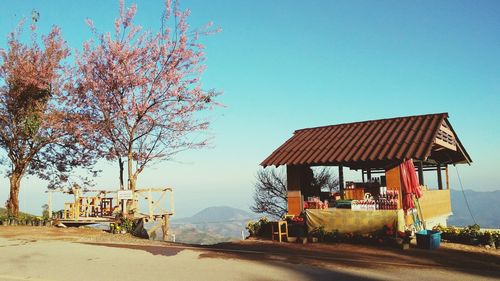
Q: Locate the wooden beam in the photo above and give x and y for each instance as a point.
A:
(153, 189)
(440, 180)
(150, 203)
(172, 204)
(341, 181)
(157, 203)
(293, 174)
(446, 130)
(165, 227)
(447, 178)
(420, 165)
(376, 171)
(445, 144)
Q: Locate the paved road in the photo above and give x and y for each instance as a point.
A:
(61, 260)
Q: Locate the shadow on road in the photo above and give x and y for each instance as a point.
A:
(328, 260)
(365, 256)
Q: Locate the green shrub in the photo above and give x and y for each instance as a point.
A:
(471, 235)
(332, 236)
(261, 228)
(486, 238)
(253, 228)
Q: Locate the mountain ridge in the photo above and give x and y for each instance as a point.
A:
(217, 214)
(211, 225)
(484, 206)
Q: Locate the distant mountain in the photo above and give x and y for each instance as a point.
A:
(211, 225)
(217, 214)
(485, 206)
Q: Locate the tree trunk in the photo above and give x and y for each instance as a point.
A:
(132, 183)
(131, 179)
(13, 202)
(120, 163)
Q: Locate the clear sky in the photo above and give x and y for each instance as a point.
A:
(285, 65)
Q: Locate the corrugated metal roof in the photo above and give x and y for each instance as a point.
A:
(375, 141)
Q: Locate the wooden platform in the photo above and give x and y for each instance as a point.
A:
(85, 221)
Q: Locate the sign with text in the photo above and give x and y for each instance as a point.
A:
(125, 194)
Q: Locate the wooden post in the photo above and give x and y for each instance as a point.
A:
(369, 175)
(421, 172)
(76, 206)
(49, 201)
(440, 180)
(172, 204)
(123, 202)
(165, 227)
(150, 204)
(447, 178)
(117, 202)
(341, 181)
(295, 202)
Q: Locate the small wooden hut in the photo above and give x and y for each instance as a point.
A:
(376, 148)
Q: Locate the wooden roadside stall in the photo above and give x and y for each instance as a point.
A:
(377, 149)
(92, 206)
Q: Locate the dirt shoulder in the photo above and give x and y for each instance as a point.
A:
(466, 259)
(449, 255)
(71, 234)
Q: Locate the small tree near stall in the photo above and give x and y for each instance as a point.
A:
(270, 196)
(140, 90)
(37, 132)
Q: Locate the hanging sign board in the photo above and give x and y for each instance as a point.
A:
(125, 194)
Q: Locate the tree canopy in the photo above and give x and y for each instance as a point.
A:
(140, 90)
(37, 131)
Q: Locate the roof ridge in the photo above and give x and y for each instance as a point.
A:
(372, 120)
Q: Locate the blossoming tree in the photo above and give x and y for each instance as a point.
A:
(37, 131)
(140, 90)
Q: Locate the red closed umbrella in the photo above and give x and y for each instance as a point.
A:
(410, 184)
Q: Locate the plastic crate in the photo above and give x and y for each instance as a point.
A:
(428, 239)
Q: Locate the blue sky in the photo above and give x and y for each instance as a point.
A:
(285, 65)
